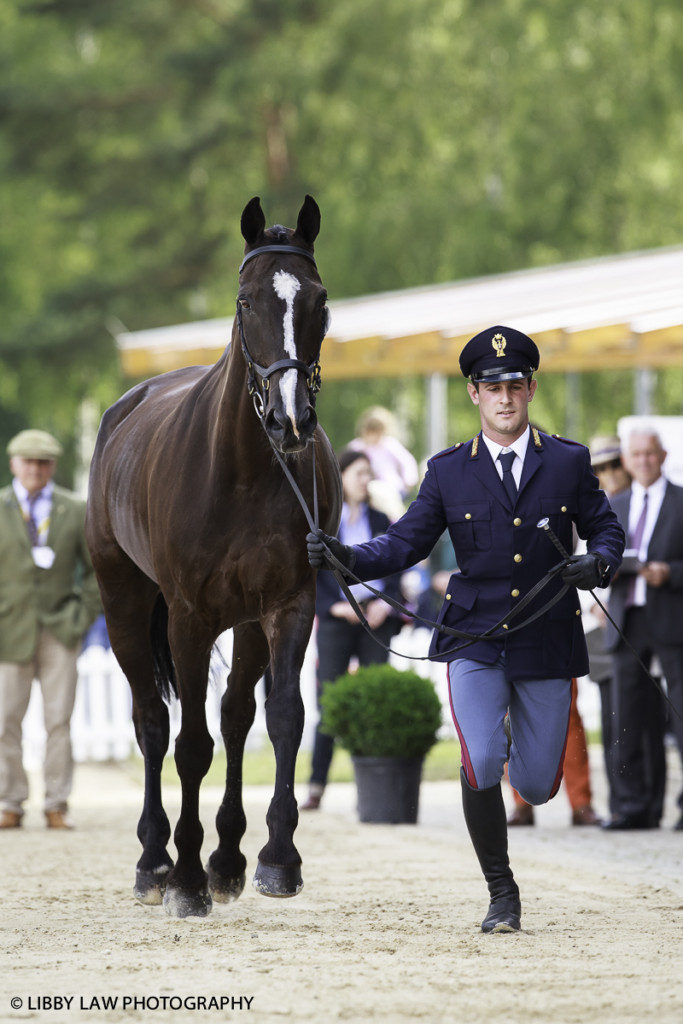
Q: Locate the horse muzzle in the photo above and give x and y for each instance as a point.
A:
(290, 435)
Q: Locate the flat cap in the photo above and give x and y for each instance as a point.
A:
(604, 449)
(34, 444)
(499, 353)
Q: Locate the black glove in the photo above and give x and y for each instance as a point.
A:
(585, 571)
(317, 556)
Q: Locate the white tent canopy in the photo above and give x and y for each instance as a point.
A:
(614, 312)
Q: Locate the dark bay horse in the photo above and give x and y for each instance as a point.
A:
(194, 529)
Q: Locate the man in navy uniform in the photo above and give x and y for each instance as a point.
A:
(490, 493)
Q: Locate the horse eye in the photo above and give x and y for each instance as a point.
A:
(245, 303)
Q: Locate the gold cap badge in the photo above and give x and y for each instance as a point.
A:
(499, 342)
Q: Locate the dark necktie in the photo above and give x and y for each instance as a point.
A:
(31, 523)
(506, 459)
(635, 540)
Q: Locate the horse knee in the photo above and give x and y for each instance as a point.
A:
(285, 715)
(193, 754)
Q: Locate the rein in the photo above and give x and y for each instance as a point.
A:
(499, 631)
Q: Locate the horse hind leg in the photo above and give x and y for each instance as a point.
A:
(227, 865)
(154, 828)
(129, 607)
(187, 893)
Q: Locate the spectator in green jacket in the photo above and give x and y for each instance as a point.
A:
(48, 598)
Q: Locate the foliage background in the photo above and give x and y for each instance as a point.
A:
(442, 139)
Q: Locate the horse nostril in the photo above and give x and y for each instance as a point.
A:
(273, 423)
(308, 420)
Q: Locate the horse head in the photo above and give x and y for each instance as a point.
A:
(282, 317)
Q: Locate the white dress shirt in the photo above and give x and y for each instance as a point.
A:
(655, 497)
(519, 447)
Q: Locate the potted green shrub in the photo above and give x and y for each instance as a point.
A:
(387, 720)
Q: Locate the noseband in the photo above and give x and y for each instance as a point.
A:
(258, 379)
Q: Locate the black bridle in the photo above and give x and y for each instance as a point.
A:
(258, 377)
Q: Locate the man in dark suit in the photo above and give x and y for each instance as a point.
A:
(646, 602)
(490, 494)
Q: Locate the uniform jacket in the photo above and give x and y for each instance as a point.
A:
(500, 551)
(64, 599)
(664, 605)
(328, 589)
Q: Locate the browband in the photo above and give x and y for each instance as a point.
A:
(277, 248)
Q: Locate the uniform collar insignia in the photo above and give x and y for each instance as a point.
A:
(475, 447)
(537, 438)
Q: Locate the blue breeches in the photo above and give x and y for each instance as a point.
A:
(539, 717)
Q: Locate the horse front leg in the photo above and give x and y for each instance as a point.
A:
(227, 864)
(279, 864)
(187, 893)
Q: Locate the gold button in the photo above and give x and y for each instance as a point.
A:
(468, 515)
(517, 521)
(518, 558)
(578, 611)
(505, 625)
(563, 509)
(514, 593)
(448, 597)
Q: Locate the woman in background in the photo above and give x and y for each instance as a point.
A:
(340, 636)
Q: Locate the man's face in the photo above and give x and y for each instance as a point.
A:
(33, 474)
(644, 458)
(503, 407)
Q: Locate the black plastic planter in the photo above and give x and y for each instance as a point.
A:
(388, 788)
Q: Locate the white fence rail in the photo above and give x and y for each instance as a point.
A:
(102, 728)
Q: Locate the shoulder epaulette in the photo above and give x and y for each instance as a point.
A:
(447, 451)
(568, 440)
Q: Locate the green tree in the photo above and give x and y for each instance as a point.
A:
(442, 139)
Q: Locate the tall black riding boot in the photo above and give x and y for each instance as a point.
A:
(485, 818)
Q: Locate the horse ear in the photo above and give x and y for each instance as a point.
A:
(308, 222)
(253, 222)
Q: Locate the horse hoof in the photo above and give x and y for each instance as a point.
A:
(225, 890)
(278, 880)
(150, 886)
(179, 903)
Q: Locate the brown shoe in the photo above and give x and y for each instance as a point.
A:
(10, 819)
(58, 819)
(315, 795)
(523, 814)
(585, 816)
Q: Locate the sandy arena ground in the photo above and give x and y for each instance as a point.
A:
(385, 929)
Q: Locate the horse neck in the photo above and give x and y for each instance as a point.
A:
(238, 441)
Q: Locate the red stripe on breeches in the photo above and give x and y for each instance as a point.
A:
(464, 752)
(560, 767)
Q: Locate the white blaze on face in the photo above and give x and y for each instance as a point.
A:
(286, 286)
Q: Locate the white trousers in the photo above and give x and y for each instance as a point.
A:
(54, 666)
